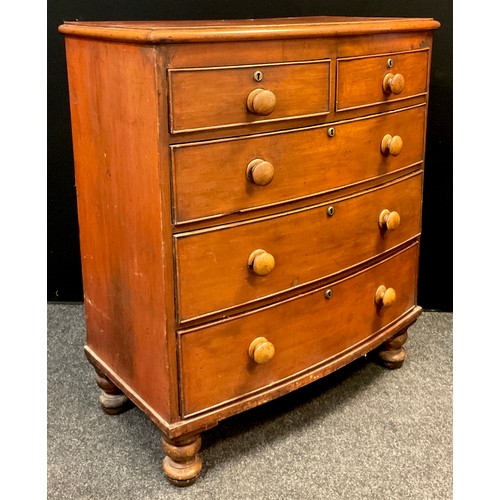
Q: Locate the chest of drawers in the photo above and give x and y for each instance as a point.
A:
(249, 201)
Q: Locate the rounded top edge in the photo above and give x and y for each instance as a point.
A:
(158, 32)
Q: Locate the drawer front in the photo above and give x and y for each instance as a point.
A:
(213, 272)
(208, 98)
(214, 178)
(305, 331)
(365, 81)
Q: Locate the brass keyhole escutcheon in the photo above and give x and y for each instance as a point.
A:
(258, 76)
(331, 132)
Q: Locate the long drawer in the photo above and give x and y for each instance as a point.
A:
(226, 266)
(218, 97)
(215, 365)
(217, 177)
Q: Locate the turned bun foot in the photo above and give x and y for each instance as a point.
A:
(112, 400)
(182, 464)
(392, 353)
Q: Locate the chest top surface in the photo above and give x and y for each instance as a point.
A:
(246, 29)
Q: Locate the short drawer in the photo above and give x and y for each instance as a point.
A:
(226, 266)
(215, 97)
(369, 80)
(215, 366)
(226, 176)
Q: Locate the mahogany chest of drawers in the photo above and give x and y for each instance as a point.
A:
(249, 201)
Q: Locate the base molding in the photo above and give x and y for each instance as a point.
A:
(181, 440)
(197, 423)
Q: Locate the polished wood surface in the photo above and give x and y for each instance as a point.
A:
(221, 54)
(206, 420)
(249, 197)
(306, 245)
(111, 399)
(392, 354)
(182, 463)
(321, 328)
(230, 96)
(114, 118)
(375, 84)
(234, 30)
(211, 178)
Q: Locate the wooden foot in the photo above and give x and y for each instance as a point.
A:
(392, 353)
(112, 400)
(182, 464)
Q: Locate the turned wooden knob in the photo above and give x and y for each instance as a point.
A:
(391, 145)
(389, 220)
(393, 84)
(261, 102)
(260, 172)
(261, 350)
(261, 262)
(385, 296)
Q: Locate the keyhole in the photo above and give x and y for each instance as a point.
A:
(257, 76)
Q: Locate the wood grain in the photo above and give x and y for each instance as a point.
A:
(320, 329)
(194, 424)
(115, 120)
(392, 354)
(307, 245)
(182, 463)
(360, 79)
(299, 89)
(233, 30)
(210, 177)
(222, 54)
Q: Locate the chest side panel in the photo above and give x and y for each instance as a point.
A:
(115, 136)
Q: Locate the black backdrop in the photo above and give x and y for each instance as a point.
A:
(64, 281)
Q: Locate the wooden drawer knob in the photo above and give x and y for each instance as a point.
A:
(393, 84)
(261, 350)
(385, 296)
(260, 172)
(391, 145)
(261, 262)
(389, 220)
(261, 102)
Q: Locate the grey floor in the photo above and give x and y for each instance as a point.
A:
(361, 433)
